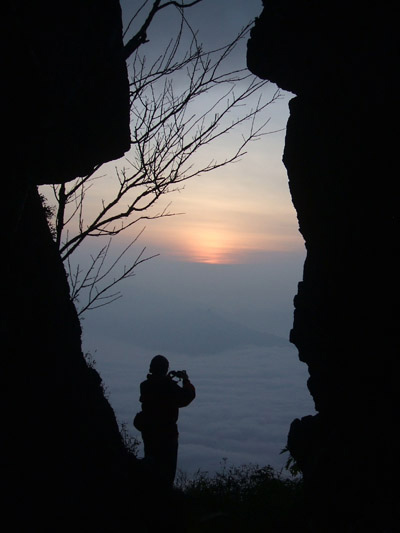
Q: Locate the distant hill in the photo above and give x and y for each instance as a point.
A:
(186, 330)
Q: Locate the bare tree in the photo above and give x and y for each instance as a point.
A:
(167, 130)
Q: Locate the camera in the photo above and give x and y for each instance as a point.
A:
(179, 374)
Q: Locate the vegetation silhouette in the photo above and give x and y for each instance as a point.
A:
(243, 498)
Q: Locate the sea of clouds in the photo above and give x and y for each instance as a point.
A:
(228, 327)
(246, 400)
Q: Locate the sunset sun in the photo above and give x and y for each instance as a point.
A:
(211, 246)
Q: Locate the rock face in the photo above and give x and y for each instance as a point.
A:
(340, 59)
(64, 465)
(67, 78)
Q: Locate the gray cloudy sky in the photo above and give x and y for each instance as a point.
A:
(218, 301)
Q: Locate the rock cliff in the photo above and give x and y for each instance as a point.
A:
(340, 59)
(66, 110)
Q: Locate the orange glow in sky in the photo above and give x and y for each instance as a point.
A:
(210, 246)
(239, 214)
(185, 239)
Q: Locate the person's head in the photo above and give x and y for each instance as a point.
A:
(159, 365)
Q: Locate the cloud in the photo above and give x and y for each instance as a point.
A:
(259, 297)
(215, 322)
(187, 329)
(246, 399)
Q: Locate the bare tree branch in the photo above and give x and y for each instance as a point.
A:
(180, 103)
(141, 36)
(99, 296)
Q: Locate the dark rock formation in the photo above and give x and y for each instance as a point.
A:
(64, 465)
(67, 77)
(61, 446)
(340, 59)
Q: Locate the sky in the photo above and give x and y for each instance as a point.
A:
(218, 299)
(241, 213)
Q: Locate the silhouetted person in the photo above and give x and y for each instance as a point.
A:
(161, 398)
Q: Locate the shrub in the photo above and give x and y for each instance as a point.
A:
(244, 498)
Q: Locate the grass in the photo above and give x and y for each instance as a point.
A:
(246, 498)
